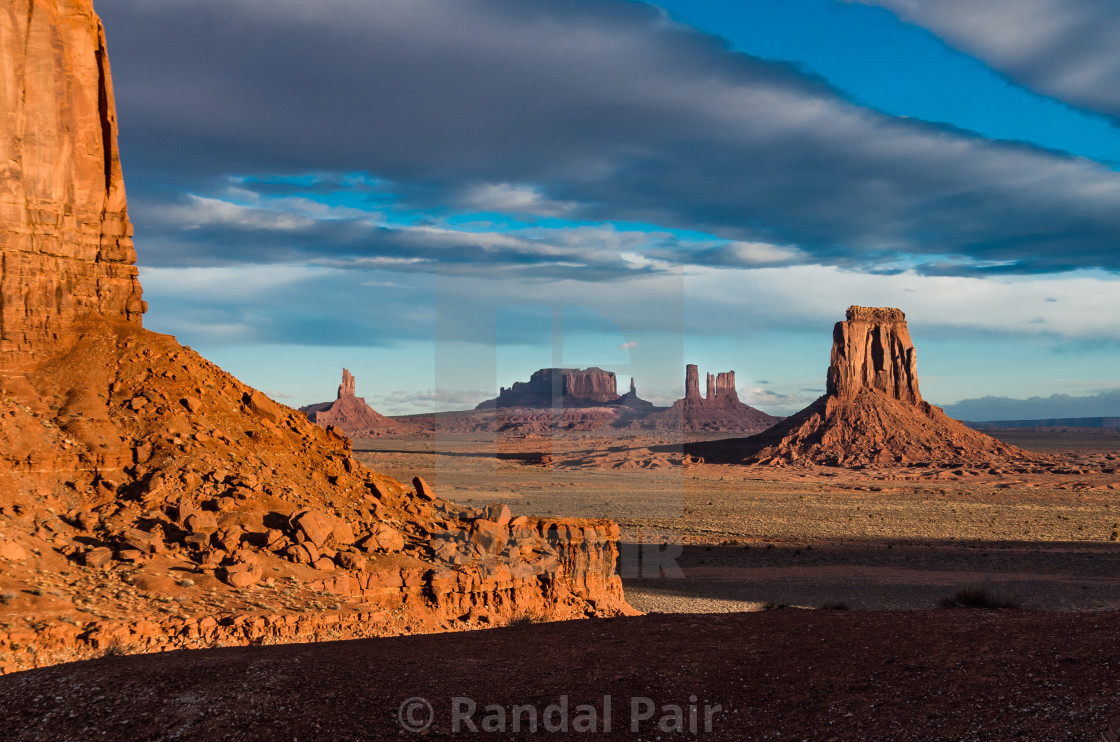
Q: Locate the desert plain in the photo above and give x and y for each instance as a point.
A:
(185, 557)
(750, 538)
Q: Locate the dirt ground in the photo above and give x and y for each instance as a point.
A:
(726, 562)
(735, 539)
(774, 675)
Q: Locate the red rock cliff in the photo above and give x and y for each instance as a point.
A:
(65, 237)
(129, 456)
(872, 415)
(568, 386)
(872, 350)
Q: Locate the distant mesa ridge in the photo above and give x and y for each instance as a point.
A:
(872, 414)
(561, 387)
(350, 413)
(1053, 422)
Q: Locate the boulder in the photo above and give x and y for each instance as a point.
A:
(98, 556)
(12, 551)
(314, 525)
(384, 538)
(499, 514)
(422, 489)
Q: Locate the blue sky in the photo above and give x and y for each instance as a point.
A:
(444, 195)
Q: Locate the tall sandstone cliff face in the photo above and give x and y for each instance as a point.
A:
(127, 459)
(872, 350)
(65, 237)
(872, 414)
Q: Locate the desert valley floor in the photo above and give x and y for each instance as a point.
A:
(870, 552)
(755, 538)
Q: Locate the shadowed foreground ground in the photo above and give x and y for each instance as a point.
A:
(779, 674)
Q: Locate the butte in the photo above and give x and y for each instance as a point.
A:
(872, 414)
(131, 466)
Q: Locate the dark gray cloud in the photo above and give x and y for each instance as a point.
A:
(1104, 404)
(599, 110)
(1067, 49)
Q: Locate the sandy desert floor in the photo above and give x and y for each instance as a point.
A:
(737, 539)
(775, 675)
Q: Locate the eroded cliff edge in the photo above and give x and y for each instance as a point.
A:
(148, 499)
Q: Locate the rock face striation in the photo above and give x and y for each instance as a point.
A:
(131, 465)
(350, 413)
(719, 410)
(872, 349)
(872, 414)
(69, 266)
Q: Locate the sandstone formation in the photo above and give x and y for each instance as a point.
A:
(559, 387)
(554, 399)
(350, 413)
(163, 502)
(872, 414)
(873, 350)
(64, 228)
(719, 410)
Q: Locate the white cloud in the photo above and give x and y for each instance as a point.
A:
(226, 283)
(198, 212)
(511, 198)
(1087, 303)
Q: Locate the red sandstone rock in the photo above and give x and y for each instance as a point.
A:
(873, 413)
(873, 350)
(64, 230)
(151, 450)
(559, 387)
(350, 414)
(720, 410)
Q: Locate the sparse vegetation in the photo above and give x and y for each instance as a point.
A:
(525, 617)
(979, 597)
(838, 605)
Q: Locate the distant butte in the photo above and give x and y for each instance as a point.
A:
(873, 413)
(719, 410)
(350, 413)
(559, 387)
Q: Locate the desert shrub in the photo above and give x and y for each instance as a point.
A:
(525, 617)
(978, 597)
(837, 605)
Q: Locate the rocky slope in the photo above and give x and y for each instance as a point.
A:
(148, 499)
(873, 413)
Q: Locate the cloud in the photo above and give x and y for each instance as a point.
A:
(775, 403)
(404, 402)
(1104, 404)
(1062, 48)
(800, 297)
(599, 111)
(509, 198)
(629, 345)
